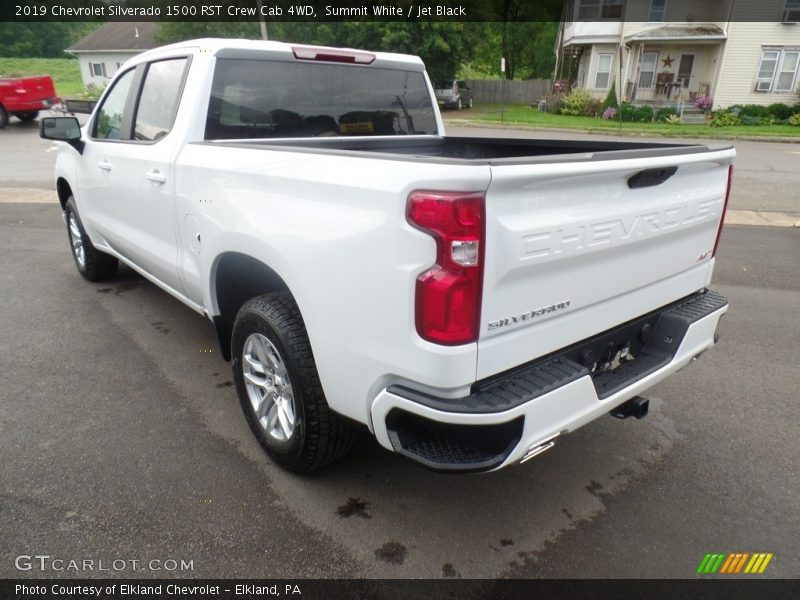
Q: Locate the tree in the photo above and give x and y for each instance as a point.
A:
(443, 46)
(41, 40)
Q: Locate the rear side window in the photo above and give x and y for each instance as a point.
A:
(159, 99)
(110, 116)
(273, 99)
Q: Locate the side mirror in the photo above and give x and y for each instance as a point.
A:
(62, 129)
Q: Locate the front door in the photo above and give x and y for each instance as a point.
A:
(127, 181)
(685, 70)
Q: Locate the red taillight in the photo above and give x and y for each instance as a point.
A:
(448, 295)
(724, 209)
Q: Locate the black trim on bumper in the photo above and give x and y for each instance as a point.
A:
(652, 340)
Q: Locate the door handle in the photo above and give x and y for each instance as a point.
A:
(105, 165)
(155, 176)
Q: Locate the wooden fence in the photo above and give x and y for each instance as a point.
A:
(528, 92)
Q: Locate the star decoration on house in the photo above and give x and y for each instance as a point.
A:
(667, 62)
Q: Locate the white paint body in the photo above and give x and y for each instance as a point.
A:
(334, 228)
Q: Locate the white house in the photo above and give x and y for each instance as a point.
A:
(102, 52)
(670, 51)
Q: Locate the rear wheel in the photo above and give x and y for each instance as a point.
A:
(27, 116)
(92, 264)
(3, 117)
(458, 104)
(279, 388)
(469, 104)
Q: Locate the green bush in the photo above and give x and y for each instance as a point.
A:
(611, 98)
(750, 110)
(780, 111)
(723, 118)
(578, 102)
(664, 113)
(595, 109)
(748, 120)
(626, 111)
(795, 120)
(643, 114)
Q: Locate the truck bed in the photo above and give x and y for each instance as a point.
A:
(477, 150)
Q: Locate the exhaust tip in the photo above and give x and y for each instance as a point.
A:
(635, 407)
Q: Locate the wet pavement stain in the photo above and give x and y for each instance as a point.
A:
(354, 507)
(225, 384)
(448, 570)
(392, 552)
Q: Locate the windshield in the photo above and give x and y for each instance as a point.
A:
(274, 99)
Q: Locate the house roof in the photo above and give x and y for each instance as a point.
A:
(679, 32)
(118, 37)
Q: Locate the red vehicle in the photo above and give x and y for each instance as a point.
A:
(24, 97)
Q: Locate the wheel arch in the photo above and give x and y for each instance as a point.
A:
(237, 277)
(64, 191)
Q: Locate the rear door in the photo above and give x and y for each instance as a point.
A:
(131, 180)
(575, 248)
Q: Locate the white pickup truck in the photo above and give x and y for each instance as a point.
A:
(468, 300)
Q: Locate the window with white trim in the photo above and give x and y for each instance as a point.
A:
(603, 75)
(647, 69)
(791, 12)
(777, 70)
(658, 9)
(593, 10)
(98, 69)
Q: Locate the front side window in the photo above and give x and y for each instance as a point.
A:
(657, 10)
(787, 72)
(592, 10)
(603, 71)
(612, 9)
(777, 70)
(276, 99)
(647, 70)
(158, 102)
(110, 116)
(791, 11)
(588, 10)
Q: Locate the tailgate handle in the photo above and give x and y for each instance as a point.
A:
(650, 177)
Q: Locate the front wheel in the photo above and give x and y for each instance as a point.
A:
(469, 104)
(92, 264)
(458, 104)
(279, 388)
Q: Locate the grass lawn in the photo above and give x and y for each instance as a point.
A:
(524, 115)
(64, 71)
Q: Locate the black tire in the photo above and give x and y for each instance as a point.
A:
(458, 104)
(320, 436)
(3, 117)
(96, 265)
(469, 104)
(27, 116)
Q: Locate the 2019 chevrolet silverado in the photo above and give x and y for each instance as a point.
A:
(467, 300)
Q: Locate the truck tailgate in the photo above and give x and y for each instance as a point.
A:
(575, 247)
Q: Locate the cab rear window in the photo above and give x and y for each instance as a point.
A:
(272, 99)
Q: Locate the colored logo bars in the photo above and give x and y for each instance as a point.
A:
(731, 564)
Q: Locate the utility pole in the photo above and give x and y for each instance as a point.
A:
(261, 22)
